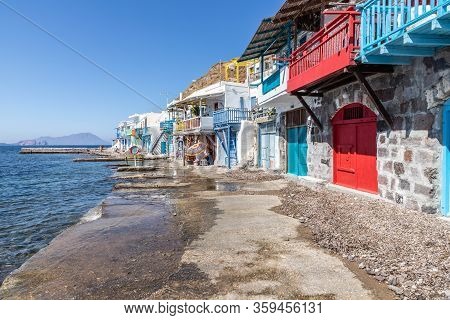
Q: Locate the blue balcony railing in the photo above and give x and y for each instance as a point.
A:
(139, 132)
(230, 116)
(272, 82)
(167, 126)
(402, 28)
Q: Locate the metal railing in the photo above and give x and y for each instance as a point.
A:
(167, 126)
(229, 116)
(329, 50)
(385, 20)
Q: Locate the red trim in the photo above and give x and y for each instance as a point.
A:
(327, 53)
(355, 150)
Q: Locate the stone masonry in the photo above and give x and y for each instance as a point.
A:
(409, 156)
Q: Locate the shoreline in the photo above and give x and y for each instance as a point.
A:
(159, 236)
(152, 243)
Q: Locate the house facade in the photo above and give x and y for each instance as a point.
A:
(213, 118)
(372, 83)
(150, 132)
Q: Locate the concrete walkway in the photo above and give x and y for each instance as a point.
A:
(253, 253)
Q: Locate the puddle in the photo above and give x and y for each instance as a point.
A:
(223, 186)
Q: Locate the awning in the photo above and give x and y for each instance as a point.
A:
(215, 90)
(268, 39)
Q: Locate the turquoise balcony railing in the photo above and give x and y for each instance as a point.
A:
(167, 126)
(394, 31)
(139, 132)
(271, 83)
(230, 116)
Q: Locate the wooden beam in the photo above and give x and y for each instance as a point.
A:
(309, 110)
(373, 96)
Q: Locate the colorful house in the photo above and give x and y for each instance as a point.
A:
(373, 80)
(214, 116)
(151, 132)
(281, 119)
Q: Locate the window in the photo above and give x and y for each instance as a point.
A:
(353, 113)
(242, 102)
(253, 102)
(295, 118)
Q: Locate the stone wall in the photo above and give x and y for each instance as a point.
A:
(409, 155)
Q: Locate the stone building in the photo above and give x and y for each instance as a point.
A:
(409, 156)
(375, 91)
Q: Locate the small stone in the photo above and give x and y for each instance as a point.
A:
(175, 214)
(399, 168)
(408, 283)
(397, 290)
(380, 278)
(361, 265)
(392, 280)
(447, 294)
(370, 271)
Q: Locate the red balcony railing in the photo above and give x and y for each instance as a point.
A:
(327, 53)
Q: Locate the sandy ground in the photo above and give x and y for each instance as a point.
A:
(190, 233)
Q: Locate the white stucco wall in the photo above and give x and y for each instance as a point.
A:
(246, 142)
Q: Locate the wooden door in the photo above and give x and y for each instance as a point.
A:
(355, 148)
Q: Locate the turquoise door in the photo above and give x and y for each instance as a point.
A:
(297, 151)
(445, 196)
(163, 147)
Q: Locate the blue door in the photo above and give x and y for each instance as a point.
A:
(163, 147)
(297, 151)
(445, 196)
(267, 133)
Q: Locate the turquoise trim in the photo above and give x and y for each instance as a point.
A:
(297, 151)
(390, 30)
(271, 82)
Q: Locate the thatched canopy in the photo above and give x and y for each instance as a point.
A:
(268, 39)
(306, 13)
(296, 15)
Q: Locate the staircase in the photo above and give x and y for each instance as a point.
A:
(394, 32)
(228, 146)
(156, 147)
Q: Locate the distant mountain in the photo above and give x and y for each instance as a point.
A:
(79, 139)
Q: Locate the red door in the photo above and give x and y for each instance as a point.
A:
(355, 148)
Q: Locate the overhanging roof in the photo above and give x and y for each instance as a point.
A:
(305, 12)
(268, 39)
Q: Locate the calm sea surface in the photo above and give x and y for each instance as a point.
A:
(40, 196)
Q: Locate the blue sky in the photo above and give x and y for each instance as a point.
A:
(155, 46)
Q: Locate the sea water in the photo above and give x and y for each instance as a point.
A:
(40, 196)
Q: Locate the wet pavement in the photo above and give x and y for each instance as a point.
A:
(187, 233)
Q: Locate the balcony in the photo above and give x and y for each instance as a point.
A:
(145, 132)
(230, 116)
(167, 126)
(195, 125)
(272, 82)
(327, 54)
(139, 132)
(395, 31)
